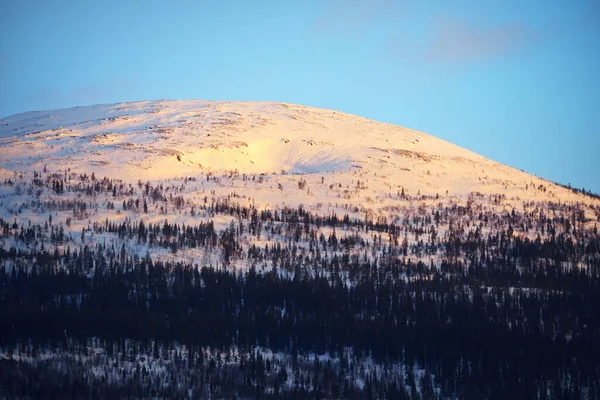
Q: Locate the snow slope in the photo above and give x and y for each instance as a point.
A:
(156, 140)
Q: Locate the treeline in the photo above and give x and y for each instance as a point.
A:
(461, 301)
(464, 325)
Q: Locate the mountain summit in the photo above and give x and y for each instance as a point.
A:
(153, 140)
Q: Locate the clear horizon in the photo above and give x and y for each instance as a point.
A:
(517, 83)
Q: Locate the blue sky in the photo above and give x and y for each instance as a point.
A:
(515, 81)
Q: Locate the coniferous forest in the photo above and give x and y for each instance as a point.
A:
(452, 300)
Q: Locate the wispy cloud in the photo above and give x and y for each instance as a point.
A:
(456, 41)
(443, 39)
(354, 17)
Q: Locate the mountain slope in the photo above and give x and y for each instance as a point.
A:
(219, 249)
(166, 139)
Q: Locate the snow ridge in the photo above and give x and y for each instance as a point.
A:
(154, 140)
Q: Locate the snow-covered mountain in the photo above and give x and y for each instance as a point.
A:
(265, 250)
(155, 140)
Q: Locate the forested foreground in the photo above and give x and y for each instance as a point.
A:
(110, 290)
(97, 323)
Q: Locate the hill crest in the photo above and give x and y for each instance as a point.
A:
(156, 140)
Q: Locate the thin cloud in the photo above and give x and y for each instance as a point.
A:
(444, 40)
(354, 17)
(458, 41)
